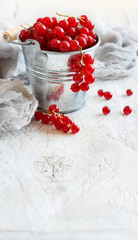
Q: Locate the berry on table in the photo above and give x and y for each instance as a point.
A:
(129, 92)
(53, 108)
(127, 110)
(107, 95)
(38, 115)
(100, 92)
(106, 110)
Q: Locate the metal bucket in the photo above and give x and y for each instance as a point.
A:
(51, 78)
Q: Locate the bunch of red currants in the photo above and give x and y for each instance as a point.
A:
(70, 34)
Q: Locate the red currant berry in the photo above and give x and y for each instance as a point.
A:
(84, 30)
(75, 128)
(78, 78)
(40, 40)
(52, 119)
(63, 24)
(75, 87)
(45, 119)
(48, 35)
(53, 108)
(83, 19)
(65, 127)
(58, 32)
(58, 124)
(89, 78)
(100, 93)
(106, 110)
(48, 22)
(88, 59)
(76, 66)
(64, 46)
(67, 38)
(82, 41)
(54, 44)
(129, 92)
(71, 32)
(92, 34)
(84, 86)
(83, 35)
(74, 45)
(88, 69)
(90, 41)
(39, 20)
(73, 22)
(107, 95)
(88, 24)
(38, 115)
(40, 29)
(127, 110)
(24, 35)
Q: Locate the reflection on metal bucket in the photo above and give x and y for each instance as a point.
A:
(51, 78)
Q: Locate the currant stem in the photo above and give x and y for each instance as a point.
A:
(61, 15)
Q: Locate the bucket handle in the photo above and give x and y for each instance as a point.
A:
(11, 35)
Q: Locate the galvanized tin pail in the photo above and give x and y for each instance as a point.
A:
(49, 74)
(50, 77)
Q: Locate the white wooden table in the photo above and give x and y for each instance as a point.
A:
(56, 186)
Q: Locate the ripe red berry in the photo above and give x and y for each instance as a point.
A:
(88, 24)
(53, 108)
(74, 128)
(64, 46)
(100, 93)
(45, 119)
(55, 22)
(76, 66)
(38, 115)
(129, 92)
(75, 87)
(106, 110)
(127, 110)
(78, 78)
(84, 87)
(40, 29)
(89, 78)
(48, 22)
(67, 38)
(87, 58)
(24, 35)
(58, 32)
(54, 44)
(107, 95)
(82, 41)
(63, 24)
(73, 22)
(88, 69)
(74, 45)
(71, 32)
(65, 127)
(83, 19)
(84, 30)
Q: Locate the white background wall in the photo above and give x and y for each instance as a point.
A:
(119, 11)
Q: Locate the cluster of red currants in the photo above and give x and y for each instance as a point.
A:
(82, 66)
(60, 121)
(64, 35)
(107, 95)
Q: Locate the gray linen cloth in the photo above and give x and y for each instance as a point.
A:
(17, 105)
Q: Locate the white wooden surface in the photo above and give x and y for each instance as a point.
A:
(84, 186)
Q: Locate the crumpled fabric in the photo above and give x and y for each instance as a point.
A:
(17, 105)
(11, 58)
(117, 55)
